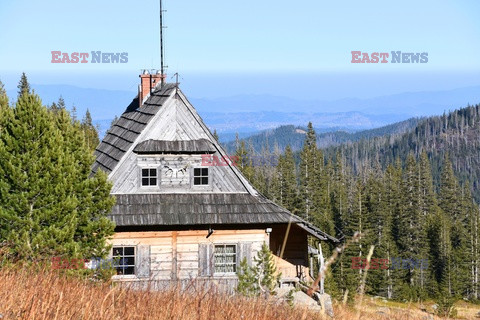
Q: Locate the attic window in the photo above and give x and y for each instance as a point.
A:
(149, 177)
(200, 176)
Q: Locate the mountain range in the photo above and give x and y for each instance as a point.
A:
(249, 114)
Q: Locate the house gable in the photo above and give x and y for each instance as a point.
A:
(172, 120)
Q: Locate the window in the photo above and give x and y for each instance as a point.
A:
(124, 258)
(225, 258)
(149, 177)
(200, 176)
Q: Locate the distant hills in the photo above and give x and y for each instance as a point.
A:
(277, 139)
(455, 134)
(249, 114)
(409, 104)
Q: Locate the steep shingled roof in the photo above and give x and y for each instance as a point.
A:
(127, 128)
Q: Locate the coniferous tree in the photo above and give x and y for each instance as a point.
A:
(309, 172)
(23, 85)
(90, 132)
(3, 96)
(49, 204)
(60, 105)
(215, 135)
(451, 204)
(411, 236)
(286, 192)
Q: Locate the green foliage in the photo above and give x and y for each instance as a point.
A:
(445, 306)
(49, 203)
(262, 277)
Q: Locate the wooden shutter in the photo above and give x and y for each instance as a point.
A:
(205, 259)
(244, 251)
(142, 259)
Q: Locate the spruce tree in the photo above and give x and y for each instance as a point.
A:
(287, 185)
(90, 132)
(215, 135)
(309, 172)
(23, 85)
(451, 204)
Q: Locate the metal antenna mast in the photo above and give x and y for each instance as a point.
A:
(162, 69)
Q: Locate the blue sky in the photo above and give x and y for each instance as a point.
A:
(224, 48)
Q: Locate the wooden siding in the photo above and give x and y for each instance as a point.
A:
(174, 255)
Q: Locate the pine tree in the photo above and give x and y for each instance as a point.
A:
(49, 204)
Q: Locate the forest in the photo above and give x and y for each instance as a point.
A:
(409, 195)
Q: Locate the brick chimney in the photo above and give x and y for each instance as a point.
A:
(148, 82)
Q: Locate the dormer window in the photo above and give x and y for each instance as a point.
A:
(200, 176)
(149, 177)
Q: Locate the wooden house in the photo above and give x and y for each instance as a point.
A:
(179, 217)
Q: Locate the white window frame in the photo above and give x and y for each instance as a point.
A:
(208, 176)
(235, 264)
(140, 177)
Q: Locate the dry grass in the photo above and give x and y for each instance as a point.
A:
(25, 294)
(28, 294)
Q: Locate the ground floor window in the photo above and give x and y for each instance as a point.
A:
(225, 258)
(124, 258)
